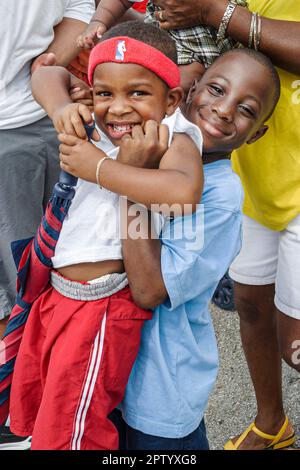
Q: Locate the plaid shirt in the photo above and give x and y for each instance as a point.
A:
(195, 44)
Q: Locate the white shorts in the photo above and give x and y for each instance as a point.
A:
(269, 257)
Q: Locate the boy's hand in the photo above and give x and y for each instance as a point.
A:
(144, 148)
(70, 120)
(94, 31)
(79, 157)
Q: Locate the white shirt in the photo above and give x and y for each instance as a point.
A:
(26, 31)
(91, 230)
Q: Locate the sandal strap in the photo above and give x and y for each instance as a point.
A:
(243, 436)
(274, 438)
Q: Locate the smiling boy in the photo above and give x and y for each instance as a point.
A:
(175, 370)
(83, 332)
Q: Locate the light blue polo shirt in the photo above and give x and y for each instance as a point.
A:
(177, 364)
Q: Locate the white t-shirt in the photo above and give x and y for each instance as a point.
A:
(91, 230)
(26, 31)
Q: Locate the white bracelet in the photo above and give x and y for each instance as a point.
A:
(98, 170)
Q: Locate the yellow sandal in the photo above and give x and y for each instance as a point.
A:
(276, 442)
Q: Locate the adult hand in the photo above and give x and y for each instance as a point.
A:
(145, 147)
(46, 59)
(81, 93)
(175, 14)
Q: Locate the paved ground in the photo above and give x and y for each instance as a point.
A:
(232, 405)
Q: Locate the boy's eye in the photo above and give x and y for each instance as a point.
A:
(215, 89)
(247, 111)
(103, 93)
(138, 93)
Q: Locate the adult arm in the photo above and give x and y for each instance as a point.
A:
(280, 40)
(64, 43)
(142, 258)
(76, 16)
(51, 89)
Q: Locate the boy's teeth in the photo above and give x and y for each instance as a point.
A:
(126, 127)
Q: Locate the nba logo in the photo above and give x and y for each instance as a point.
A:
(121, 49)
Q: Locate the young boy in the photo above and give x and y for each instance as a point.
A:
(83, 332)
(197, 47)
(176, 366)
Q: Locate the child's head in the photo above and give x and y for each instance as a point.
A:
(135, 78)
(233, 100)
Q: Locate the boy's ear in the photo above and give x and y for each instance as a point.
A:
(174, 99)
(192, 92)
(258, 134)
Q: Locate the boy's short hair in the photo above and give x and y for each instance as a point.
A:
(267, 63)
(147, 33)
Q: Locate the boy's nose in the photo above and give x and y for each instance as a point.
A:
(119, 106)
(224, 110)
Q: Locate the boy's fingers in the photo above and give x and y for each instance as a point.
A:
(137, 132)
(151, 130)
(88, 43)
(78, 127)
(163, 131)
(79, 41)
(88, 102)
(68, 127)
(96, 136)
(86, 114)
(64, 150)
(67, 139)
(100, 31)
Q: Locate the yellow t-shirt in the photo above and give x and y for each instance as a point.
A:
(270, 168)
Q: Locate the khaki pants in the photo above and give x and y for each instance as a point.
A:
(29, 167)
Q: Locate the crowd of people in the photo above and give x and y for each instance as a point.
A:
(176, 124)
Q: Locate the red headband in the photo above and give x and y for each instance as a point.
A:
(124, 50)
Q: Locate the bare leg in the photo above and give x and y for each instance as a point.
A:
(258, 326)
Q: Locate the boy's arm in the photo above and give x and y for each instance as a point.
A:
(172, 262)
(145, 294)
(51, 89)
(110, 11)
(64, 43)
(107, 14)
(177, 184)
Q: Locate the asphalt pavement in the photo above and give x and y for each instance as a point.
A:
(232, 406)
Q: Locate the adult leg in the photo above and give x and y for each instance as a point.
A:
(26, 167)
(254, 272)
(287, 298)
(258, 327)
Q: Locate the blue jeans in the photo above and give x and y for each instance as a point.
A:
(131, 439)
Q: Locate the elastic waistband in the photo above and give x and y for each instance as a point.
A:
(110, 284)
